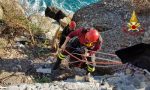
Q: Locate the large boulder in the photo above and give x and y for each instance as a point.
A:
(109, 17)
(138, 55)
(48, 25)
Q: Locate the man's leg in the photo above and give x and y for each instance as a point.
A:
(61, 56)
(71, 47)
(62, 40)
(91, 66)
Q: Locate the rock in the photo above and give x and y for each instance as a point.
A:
(128, 71)
(54, 13)
(79, 78)
(128, 87)
(31, 87)
(146, 38)
(13, 88)
(19, 8)
(106, 86)
(21, 38)
(110, 16)
(48, 25)
(1, 13)
(19, 67)
(43, 70)
(43, 22)
(46, 85)
(62, 73)
(79, 71)
(14, 69)
(52, 32)
(16, 10)
(3, 25)
(22, 87)
(50, 60)
(142, 6)
(147, 88)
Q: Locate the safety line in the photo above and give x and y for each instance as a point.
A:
(98, 52)
(96, 57)
(104, 63)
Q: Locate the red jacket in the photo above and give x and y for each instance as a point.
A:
(81, 35)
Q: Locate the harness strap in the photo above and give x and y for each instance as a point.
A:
(61, 56)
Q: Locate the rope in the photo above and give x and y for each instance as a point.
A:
(99, 52)
(96, 57)
(104, 63)
(105, 53)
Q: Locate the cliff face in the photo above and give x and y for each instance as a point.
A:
(111, 16)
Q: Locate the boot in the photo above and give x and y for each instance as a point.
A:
(57, 64)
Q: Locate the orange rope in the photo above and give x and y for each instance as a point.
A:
(101, 62)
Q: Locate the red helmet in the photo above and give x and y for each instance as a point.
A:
(72, 25)
(92, 35)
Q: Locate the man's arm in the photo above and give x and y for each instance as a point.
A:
(71, 35)
(75, 33)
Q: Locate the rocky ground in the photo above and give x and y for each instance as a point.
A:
(118, 81)
(25, 47)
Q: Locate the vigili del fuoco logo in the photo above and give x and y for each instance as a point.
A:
(133, 27)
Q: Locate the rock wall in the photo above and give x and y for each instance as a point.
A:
(111, 16)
